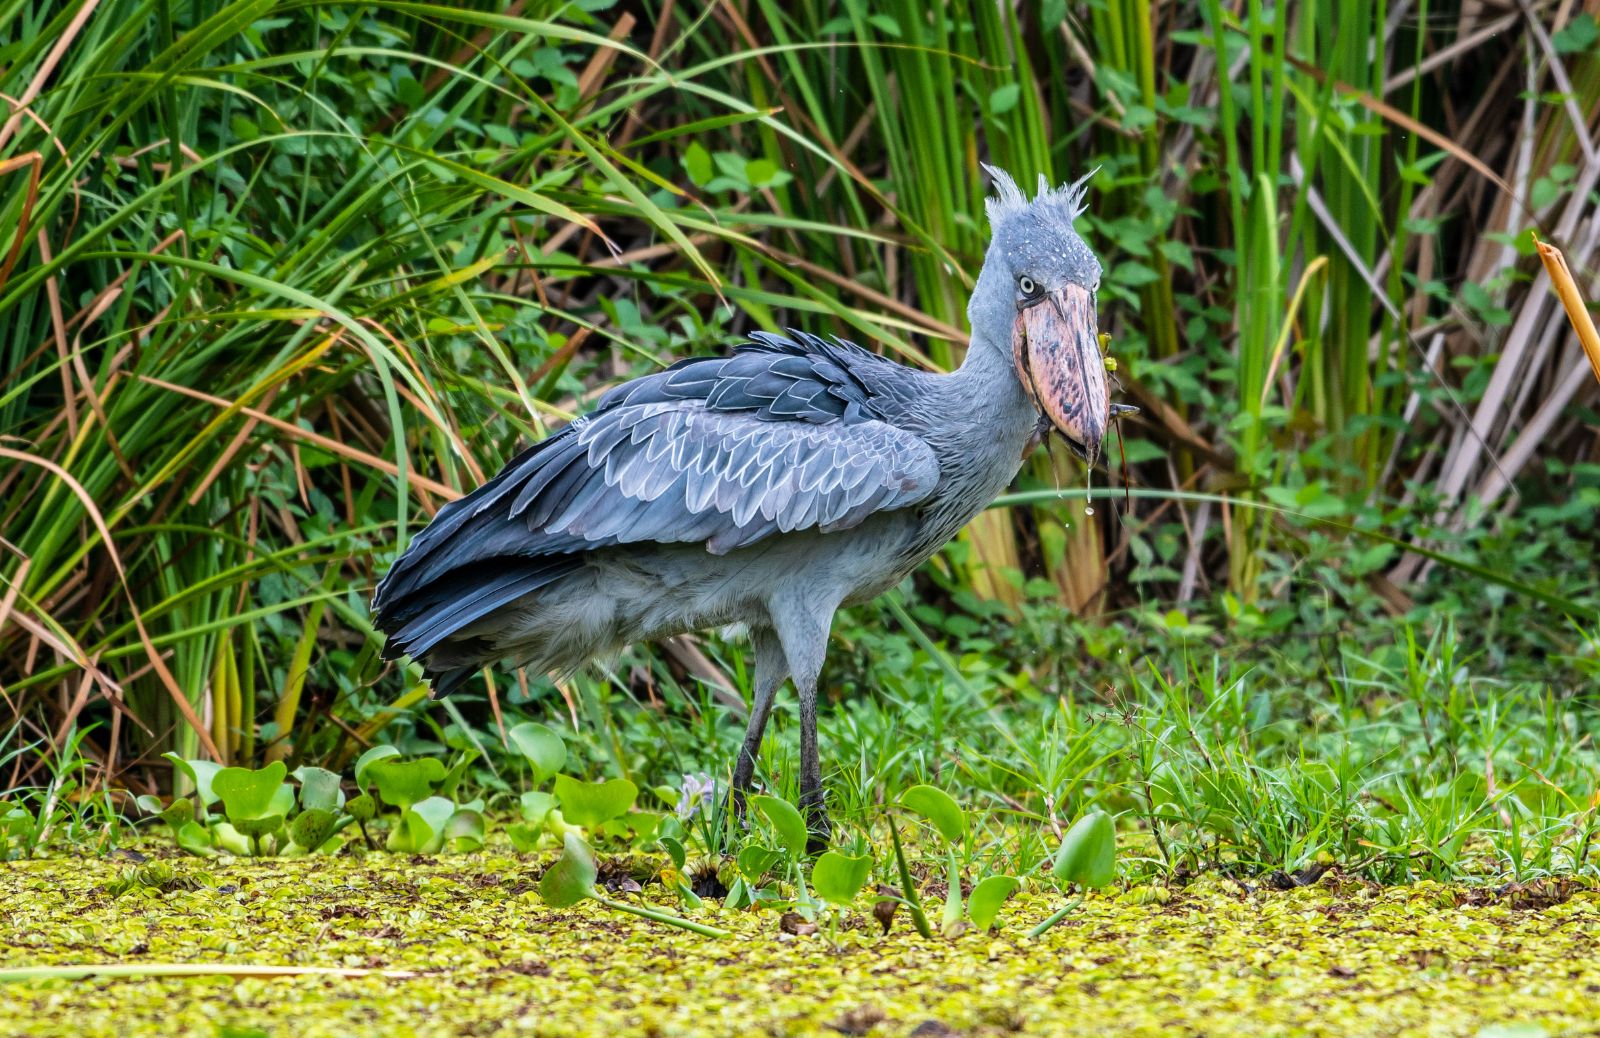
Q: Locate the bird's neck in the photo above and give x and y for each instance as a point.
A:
(987, 380)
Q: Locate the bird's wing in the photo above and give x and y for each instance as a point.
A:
(782, 436)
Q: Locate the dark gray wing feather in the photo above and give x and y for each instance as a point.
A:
(784, 435)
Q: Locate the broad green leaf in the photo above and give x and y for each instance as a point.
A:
(319, 790)
(986, 899)
(464, 832)
(536, 806)
(371, 757)
(755, 861)
(262, 825)
(252, 795)
(938, 807)
(402, 783)
(1088, 854)
(179, 813)
(786, 823)
(200, 772)
(675, 851)
(543, 749)
(838, 878)
(524, 838)
(421, 828)
(362, 808)
(150, 805)
(193, 837)
(312, 827)
(593, 803)
(571, 879)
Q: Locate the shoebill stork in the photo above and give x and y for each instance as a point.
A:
(768, 488)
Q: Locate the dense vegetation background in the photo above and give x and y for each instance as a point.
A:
(278, 279)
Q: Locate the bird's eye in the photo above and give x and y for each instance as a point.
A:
(1026, 286)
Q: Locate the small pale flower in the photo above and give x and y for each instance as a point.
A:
(695, 796)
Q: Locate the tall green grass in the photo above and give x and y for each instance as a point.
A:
(278, 280)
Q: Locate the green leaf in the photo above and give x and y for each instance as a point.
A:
(362, 808)
(319, 790)
(938, 807)
(1004, 98)
(402, 783)
(542, 748)
(986, 899)
(536, 806)
(421, 828)
(675, 851)
(524, 838)
(755, 861)
(179, 813)
(371, 757)
(464, 832)
(571, 879)
(252, 795)
(200, 772)
(592, 804)
(194, 838)
(312, 827)
(697, 163)
(1088, 854)
(227, 838)
(837, 878)
(785, 821)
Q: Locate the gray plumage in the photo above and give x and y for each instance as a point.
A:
(769, 488)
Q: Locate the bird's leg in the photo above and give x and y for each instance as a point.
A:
(770, 671)
(802, 625)
(812, 802)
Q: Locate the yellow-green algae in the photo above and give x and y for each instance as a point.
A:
(1215, 958)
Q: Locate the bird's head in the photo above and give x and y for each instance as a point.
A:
(1036, 300)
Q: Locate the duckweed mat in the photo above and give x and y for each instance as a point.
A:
(488, 958)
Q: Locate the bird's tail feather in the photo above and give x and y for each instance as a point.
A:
(419, 621)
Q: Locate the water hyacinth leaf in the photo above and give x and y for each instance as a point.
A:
(755, 861)
(541, 747)
(570, 879)
(252, 795)
(987, 897)
(838, 878)
(785, 821)
(937, 807)
(421, 829)
(194, 838)
(319, 789)
(179, 813)
(675, 852)
(402, 783)
(524, 838)
(536, 806)
(200, 772)
(226, 838)
(464, 832)
(1088, 854)
(312, 827)
(362, 808)
(371, 757)
(592, 804)
(149, 804)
